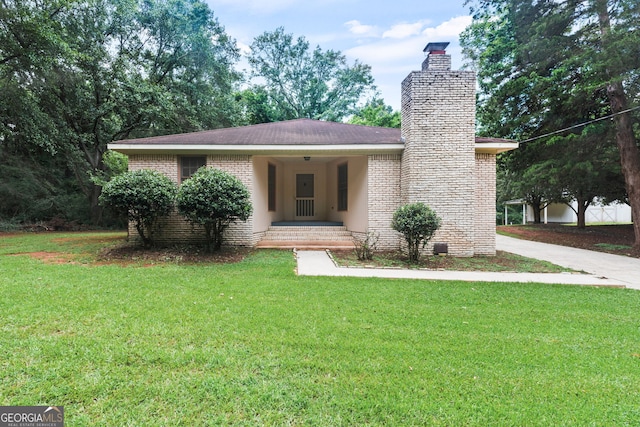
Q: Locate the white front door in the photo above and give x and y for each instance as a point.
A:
(305, 196)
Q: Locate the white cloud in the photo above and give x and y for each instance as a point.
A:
(384, 51)
(392, 49)
(254, 6)
(448, 29)
(404, 30)
(359, 29)
(392, 58)
(244, 48)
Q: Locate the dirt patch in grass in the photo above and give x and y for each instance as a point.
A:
(615, 239)
(129, 254)
(49, 257)
(98, 238)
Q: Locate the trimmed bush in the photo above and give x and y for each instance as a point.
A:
(144, 196)
(417, 223)
(214, 199)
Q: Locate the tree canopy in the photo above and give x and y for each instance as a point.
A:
(293, 81)
(84, 73)
(376, 113)
(544, 66)
(78, 74)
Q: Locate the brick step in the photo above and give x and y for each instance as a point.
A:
(305, 244)
(307, 233)
(324, 228)
(307, 237)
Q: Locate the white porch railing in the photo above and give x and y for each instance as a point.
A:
(305, 206)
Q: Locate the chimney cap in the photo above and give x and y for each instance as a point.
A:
(436, 48)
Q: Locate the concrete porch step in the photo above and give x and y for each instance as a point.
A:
(307, 233)
(304, 244)
(307, 237)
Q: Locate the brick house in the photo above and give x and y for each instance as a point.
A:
(355, 177)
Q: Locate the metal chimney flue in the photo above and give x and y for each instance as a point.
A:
(438, 48)
(437, 58)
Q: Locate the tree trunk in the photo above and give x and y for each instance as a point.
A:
(629, 154)
(537, 213)
(97, 211)
(582, 213)
(625, 139)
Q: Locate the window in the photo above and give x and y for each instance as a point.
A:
(189, 166)
(343, 187)
(271, 187)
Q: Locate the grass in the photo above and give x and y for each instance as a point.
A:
(611, 247)
(252, 344)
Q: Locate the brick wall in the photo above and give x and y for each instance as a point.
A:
(438, 164)
(174, 228)
(383, 182)
(485, 204)
(165, 163)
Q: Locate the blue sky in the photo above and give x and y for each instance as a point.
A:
(387, 35)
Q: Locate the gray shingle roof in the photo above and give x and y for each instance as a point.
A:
(291, 132)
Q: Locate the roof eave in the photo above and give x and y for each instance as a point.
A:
(182, 149)
(494, 147)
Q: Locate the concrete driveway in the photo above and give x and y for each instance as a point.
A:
(614, 267)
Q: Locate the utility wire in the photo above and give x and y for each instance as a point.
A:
(581, 124)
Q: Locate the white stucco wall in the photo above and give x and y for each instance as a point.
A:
(260, 197)
(355, 217)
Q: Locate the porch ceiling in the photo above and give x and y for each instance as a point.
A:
(301, 159)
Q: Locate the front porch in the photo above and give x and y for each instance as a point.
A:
(309, 201)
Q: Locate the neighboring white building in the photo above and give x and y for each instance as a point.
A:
(561, 213)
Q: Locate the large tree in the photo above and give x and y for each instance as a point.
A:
(548, 65)
(304, 83)
(103, 70)
(376, 113)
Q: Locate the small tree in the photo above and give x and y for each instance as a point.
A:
(144, 196)
(214, 199)
(417, 223)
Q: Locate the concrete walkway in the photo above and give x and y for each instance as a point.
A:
(603, 269)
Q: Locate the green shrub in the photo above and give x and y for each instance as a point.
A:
(144, 195)
(214, 199)
(417, 223)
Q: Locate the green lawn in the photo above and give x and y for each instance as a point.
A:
(253, 344)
